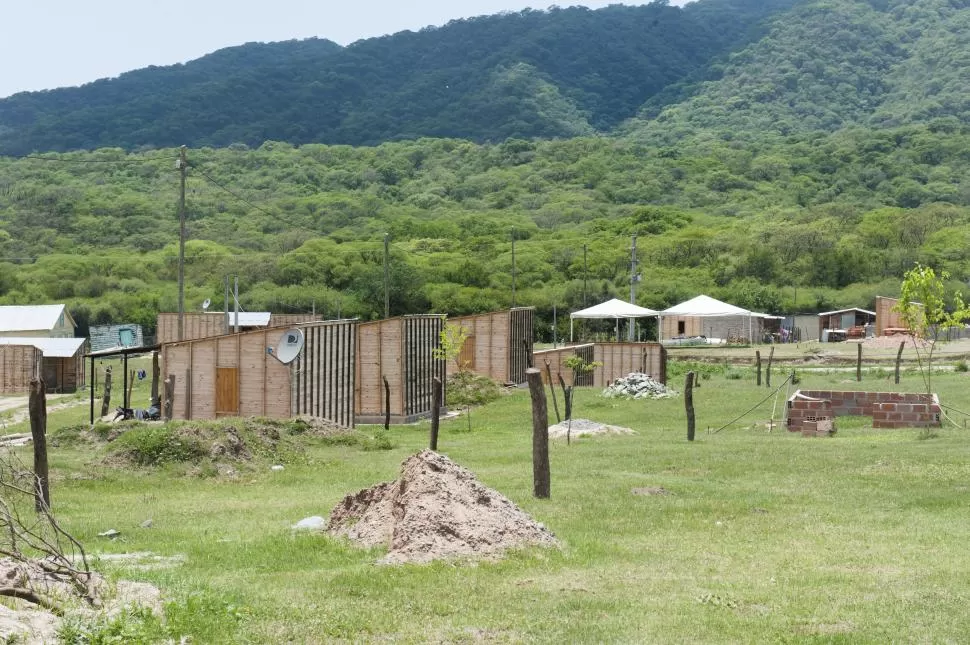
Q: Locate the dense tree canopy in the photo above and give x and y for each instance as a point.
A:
(555, 73)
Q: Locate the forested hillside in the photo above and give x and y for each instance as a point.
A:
(556, 73)
(818, 221)
(826, 65)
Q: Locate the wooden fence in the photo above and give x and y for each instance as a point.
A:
(618, 360)
(400, 350)
(324, 384)
(499, 344)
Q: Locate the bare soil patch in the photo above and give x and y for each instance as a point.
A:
(435, 510)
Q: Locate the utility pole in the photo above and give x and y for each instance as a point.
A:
(226, 309)
(633, 281)
(585, 272)
(182, 164)
(513, 267)
(235, 298)
(387, 281)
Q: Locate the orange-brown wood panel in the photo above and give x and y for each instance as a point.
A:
(227, 391)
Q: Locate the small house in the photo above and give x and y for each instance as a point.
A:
(111, 336)
(59, 361)
(42, 321)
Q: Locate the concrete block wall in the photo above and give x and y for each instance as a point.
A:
(810, 415)
(887, 409)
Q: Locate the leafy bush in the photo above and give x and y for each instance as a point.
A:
(151, 445)
(380, 441)
(467, 388)
(961, 366)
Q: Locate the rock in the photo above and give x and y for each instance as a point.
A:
(637, 385)
(276, 468)
(147, 524)
(110, 533)
(314, 523)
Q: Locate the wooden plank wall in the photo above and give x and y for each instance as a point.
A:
(198, 325)
(380, 354)
(325, 382)
(885, 316)
(494, 347)
(263, 382)
(400, 349)
(486, 350)
(619, 359)
(557, 358)
(18, 364)
(693, 326)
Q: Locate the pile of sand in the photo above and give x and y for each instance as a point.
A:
(585, 428)
(435, 510)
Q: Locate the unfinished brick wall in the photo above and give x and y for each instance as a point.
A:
(887, 409)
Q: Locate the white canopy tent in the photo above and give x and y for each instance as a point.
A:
(615, 308)
(704, 306)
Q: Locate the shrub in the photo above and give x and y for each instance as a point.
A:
(961, 366)
(467, 388)
(152, 445)
(380, 441)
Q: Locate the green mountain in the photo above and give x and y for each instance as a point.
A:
(826, 65)
(555, 73)
(806, 170)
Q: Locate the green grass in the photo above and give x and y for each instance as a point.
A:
(765, 537)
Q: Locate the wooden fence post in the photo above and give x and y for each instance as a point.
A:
(435, 411)
(689, 404)
(169, 397)
(540, 434)
(387, 404)
(771, 357)
(37, 408)
(552, 386)
(106, 399)
(757, 362)
(567, 395)
(899, 357)
(155, 376)
(858, 363)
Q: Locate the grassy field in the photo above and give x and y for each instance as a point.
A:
(763, 537)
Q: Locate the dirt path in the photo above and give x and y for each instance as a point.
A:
(17, 412)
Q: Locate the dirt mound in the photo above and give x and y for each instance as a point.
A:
(435, 510)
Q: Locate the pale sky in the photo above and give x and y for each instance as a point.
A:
(55, 43)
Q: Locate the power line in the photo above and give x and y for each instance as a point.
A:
(225, 188)
(87, 161)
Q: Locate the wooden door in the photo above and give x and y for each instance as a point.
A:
(227, 391)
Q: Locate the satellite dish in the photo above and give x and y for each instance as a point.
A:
(206, 303)
(289, 346)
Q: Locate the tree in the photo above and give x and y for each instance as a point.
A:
(923, 307)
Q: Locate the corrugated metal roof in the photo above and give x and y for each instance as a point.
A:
(52, 347)
(845, 311)
(248, 318)
(29, 317)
